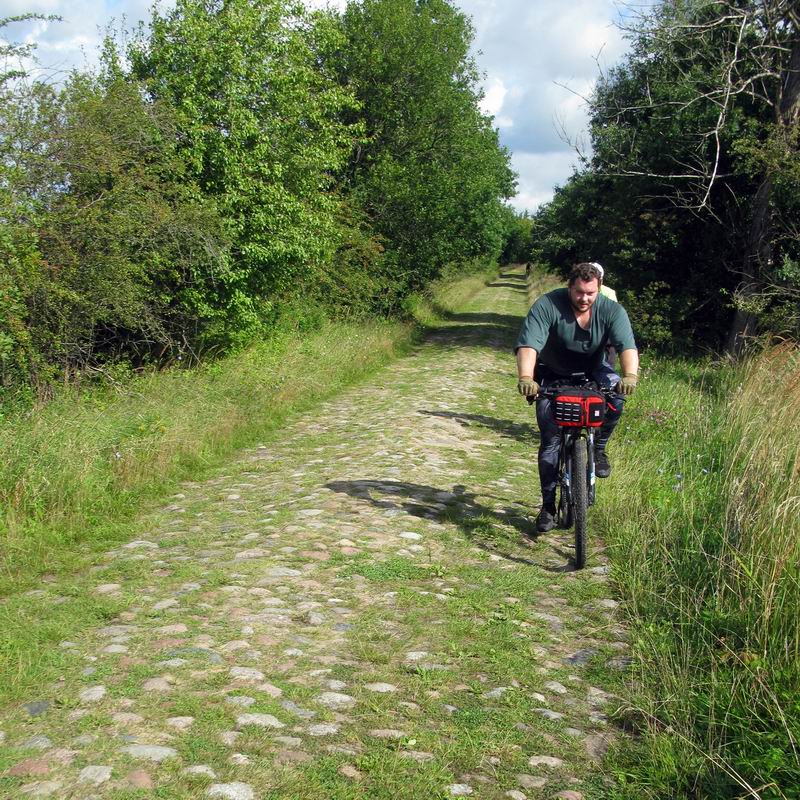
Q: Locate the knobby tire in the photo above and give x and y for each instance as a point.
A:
(564, 510)
(580, 499)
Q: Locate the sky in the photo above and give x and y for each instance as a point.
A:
(538, 59)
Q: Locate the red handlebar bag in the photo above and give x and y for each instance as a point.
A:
(579, 408)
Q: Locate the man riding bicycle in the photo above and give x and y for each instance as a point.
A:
(565, 335)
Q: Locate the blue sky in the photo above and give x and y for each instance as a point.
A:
(528, 50)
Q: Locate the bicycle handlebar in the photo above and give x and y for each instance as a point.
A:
(549, 394)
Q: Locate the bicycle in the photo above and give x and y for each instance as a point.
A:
(578, 410)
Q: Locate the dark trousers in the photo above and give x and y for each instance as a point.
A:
(551, 437)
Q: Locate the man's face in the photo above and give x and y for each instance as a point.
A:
(582, 294)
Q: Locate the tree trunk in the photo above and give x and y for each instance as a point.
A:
(758, 251)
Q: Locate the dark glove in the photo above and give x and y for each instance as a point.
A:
(627, 386)
(528, 387)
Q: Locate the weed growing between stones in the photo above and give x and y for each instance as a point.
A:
(354, 608)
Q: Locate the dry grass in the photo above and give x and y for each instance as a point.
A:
(703, 523)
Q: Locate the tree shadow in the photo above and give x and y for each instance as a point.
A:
(487, 318)
(475, 329)
(520, 431)
(479, 329)
(511, 275)
(458, 506)
(516, 285)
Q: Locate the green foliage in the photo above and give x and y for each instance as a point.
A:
(693, 181)
(260, 134)
(356, 280)
(104, 238)
(650, 250)
(652, 313)
(519, 238)
(430, 174)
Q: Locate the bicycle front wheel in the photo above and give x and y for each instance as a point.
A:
(564, 517)
(580, 499)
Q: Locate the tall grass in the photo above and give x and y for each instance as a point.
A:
(702, 518)
(72, 471)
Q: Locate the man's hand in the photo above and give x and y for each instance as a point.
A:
(627, 386)
(528, 387)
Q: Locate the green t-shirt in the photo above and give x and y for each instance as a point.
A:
(552, 330)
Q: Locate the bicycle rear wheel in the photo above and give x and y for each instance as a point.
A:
(580, 499)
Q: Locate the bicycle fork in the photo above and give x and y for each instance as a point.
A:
(590, 464)
(567, 477)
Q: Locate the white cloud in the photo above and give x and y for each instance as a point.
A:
(534, 50)
(495, 94)
(73, 41)
(539, 174)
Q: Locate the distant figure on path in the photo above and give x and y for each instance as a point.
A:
(605, 290)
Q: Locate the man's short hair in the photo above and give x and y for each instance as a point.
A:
(585, 272)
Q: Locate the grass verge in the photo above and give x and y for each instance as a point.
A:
(74, 471)
(702, 518)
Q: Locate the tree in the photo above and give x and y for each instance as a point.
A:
(103, 241)
(704, 113)
(430, 173)
(659, 259)
(518, 243)
(260, 133)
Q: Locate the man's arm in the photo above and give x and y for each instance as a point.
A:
(526, 362)
(630, 371)
(630, 362)
(532, 338)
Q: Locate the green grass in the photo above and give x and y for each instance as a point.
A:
(74, 471)
(703, 524)
(471, 599)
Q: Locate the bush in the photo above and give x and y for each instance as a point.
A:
(105, 241)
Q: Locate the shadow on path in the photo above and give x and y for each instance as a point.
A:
(518, 286)
(479, 329)
(458, 336)
(458, 506)
(521, 431)
(517, 277)
(485, 318)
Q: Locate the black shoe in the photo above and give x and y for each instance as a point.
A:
(546, 520)
(602, 468)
